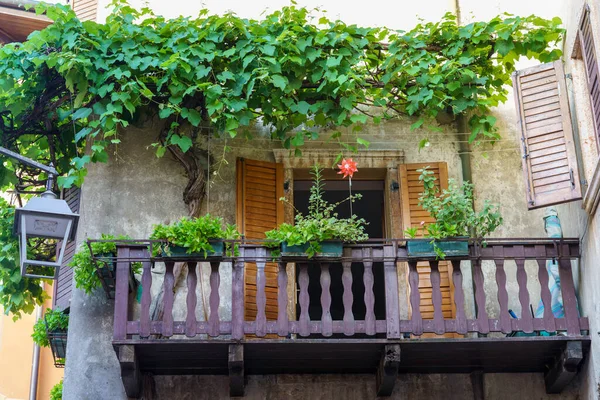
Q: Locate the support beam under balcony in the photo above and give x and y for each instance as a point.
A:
(130, 370)
(565, 367)
(387, 373)
(236, 370)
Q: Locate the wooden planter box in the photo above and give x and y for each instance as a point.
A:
(330, 248)
(181, 252)
(106, 271)
(425, 248)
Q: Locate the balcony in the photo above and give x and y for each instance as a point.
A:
(385, 347)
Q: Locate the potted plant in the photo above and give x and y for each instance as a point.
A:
(321, 232)
(51, 331)
(201, 237)
(97, 269)
(455, 217)
(56, 391)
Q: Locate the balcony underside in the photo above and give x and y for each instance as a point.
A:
(320, 356)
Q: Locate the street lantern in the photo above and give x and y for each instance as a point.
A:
(45, 217)
(49, 218)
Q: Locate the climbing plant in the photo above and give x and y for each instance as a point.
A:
(69, 92)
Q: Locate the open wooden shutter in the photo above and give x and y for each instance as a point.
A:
(548, 151)
(412, 216)
(85, 10)
(259, 188)
(63, 285)
(588, 53)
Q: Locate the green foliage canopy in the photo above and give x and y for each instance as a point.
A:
(76, 84)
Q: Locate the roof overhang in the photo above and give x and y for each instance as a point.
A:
(16, 23)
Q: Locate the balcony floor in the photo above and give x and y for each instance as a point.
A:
(318, 356)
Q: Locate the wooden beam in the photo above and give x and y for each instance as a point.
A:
(565, 367)
(477, 385)
(6, 37)
(130, 370)
(387, 373)
(236, 370)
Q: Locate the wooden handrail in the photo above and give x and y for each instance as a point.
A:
(495, 254)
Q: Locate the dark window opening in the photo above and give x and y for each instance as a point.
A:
(371, 208)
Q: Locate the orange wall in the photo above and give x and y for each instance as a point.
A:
(16, 352)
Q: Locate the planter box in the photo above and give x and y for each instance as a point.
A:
(107, 272)
(424, 248)
(58, 345)
(181, 252)
(330, 248)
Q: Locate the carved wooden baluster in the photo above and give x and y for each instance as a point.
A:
(169, 281)
(190, 318)
(214, 299)
(568, 292)
(549, 323)
(261, 296)
(347, 297)
(304, 320)
(483, 323)
(237, 296)
(415, 299)
(146, 300)
(526, 317)
(505, 321)
(436, 298)
(283, 328)
(369, 279)
(392, 308)
(121, 294)
(459, 298)
(326, 321)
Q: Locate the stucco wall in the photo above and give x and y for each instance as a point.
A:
(576, 221)
(135, 190)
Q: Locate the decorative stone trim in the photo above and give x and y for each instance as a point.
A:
(365, 158)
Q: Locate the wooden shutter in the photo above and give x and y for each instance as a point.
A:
(85, 9)
(259, 188)
(63, 285)
(548, 151)
(588, 53)
(412, 216)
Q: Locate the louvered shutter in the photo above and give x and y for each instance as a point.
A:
(85, 9)
(63, 285)
(588, 53)
(548, 151)
(412, 216)
(259, 188)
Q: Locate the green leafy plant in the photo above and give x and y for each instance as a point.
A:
(56, 391)
(74, 85)
(321, 223)
(53, 321)
(193, 234)
(84, 267)
(453, 211)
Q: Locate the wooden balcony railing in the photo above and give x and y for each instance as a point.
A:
(352, 342)
(393, 327)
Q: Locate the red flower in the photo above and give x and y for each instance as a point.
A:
(347, 167)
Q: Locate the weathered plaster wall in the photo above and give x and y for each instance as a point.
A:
(576, 222)
(135, 190)
(126, 196)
